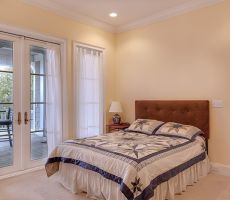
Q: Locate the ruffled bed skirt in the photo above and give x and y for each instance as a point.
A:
(178, 184)
(79, 180)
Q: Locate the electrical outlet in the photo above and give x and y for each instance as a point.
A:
(217, 103)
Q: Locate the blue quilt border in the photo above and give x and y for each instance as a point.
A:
(148, 192)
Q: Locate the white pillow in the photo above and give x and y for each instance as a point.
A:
(146, 126)
(181, 130)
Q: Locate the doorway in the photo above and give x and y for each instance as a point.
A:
(23, 75)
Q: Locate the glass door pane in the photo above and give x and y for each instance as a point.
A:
(38, 135)
(6, 104)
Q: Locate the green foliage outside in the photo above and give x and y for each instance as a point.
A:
(6, 87)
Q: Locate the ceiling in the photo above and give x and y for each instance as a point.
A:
(131, 13)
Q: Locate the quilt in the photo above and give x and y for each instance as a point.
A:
(130, 159)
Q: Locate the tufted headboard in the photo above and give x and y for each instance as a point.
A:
(192, 112)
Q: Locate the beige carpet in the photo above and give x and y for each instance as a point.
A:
(36, 186)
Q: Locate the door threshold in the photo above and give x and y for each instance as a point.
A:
(22, 172)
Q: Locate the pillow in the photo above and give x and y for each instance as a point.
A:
(181, 130)
(146, 126)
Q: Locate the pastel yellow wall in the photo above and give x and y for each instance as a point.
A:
(17, 14)
(185, 57)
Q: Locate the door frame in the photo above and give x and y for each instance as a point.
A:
(65, 70)
(20, 35)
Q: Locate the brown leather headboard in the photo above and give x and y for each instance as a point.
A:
(190, 112)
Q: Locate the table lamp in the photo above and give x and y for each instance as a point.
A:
(115, 107)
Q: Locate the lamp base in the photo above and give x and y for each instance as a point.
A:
(116, 119)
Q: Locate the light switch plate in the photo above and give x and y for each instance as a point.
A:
(217, 103)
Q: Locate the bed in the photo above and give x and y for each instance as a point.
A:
(136, 166)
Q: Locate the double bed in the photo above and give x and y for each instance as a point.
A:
(133, 165)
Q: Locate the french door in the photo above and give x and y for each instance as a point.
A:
(23, 135)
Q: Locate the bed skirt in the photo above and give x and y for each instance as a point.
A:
(77, 180)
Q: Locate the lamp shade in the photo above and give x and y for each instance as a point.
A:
(115, 107)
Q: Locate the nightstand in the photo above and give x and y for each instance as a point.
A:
(116, 127)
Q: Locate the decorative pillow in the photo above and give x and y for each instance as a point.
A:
(181, 130)
(146, 126)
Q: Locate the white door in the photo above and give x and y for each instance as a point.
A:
(23, 135)
(34, 104)
(10, 104)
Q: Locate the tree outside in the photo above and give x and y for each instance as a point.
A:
(6, 89)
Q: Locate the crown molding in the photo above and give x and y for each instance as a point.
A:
(160, 16)
(63, 12)
(166, 14)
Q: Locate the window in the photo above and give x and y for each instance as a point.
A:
(37, 100)
(88, 91)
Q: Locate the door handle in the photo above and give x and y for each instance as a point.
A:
(19, 118)
(26, 120)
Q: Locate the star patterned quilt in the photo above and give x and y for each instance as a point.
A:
(130, 159)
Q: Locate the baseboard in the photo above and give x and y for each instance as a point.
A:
(216, 168)
(21, 172)
(221, 169)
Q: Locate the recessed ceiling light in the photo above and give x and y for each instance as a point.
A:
(113, 14)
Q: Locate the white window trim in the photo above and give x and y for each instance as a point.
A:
(103, 112)
(63, 44)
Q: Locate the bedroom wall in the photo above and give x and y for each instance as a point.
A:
(18, 14)
(184, 57)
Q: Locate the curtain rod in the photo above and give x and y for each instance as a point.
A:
(88, 46)
(29, 37)
(90, 49)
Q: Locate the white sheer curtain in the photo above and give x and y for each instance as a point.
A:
(88, 91)
(53, 98)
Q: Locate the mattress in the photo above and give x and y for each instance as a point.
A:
(126, 165)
